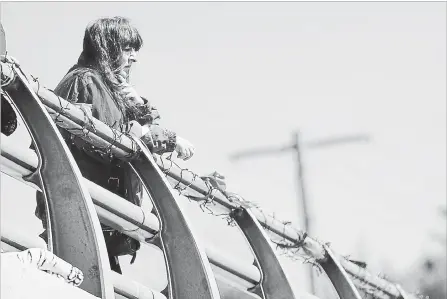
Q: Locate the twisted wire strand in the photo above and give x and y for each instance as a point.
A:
(286, 247)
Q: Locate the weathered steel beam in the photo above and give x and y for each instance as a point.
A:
(78, 242)
(274, 283)
(338, 276)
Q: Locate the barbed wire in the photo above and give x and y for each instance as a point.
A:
(375, 292)
(206, 202)
(370, 290)
(284, 247)
(215, 183)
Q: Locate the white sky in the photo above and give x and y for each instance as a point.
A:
(237, 75)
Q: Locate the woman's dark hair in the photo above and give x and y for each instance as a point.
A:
(104, 41)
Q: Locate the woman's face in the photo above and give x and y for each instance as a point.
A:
(127, 58)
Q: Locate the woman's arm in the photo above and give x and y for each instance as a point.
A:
(161, 139)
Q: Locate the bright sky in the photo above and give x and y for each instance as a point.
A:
(230, 76)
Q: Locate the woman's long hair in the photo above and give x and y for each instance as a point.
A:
(104, 41)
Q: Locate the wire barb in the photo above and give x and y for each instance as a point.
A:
(294, 250)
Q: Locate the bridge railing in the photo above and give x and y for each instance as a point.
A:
(144, 225)
(116, 212)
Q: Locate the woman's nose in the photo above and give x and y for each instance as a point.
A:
(133, 56)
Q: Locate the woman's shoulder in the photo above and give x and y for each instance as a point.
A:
(78, 78)
(83, 74)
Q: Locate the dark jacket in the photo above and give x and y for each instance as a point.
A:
(83, 85)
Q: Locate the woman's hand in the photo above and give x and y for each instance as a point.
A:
(184, 149)
(128, 91)
(131, 94)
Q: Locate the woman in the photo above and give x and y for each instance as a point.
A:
(100, 80)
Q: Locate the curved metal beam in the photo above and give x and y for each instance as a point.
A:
(73, 224)
(274, 283)
(189, 272)
(338, 276)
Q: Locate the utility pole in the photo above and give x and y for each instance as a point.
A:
(301, 183)
(302, 200)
